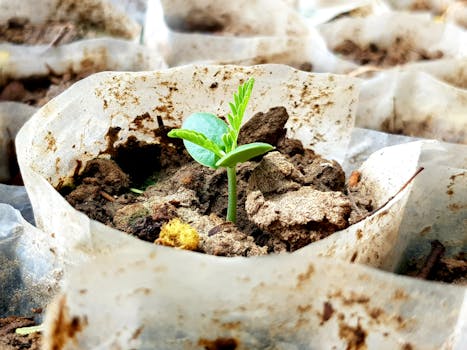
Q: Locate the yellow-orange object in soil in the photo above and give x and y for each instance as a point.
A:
(177, 234)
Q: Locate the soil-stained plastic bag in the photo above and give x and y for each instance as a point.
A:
(139, 298)
(321, 11)
(394, 38)
(55, 144)
(29, 274)
(98, 54)
(237, 33)
(414, 103)
(116, 100)
(97, 17)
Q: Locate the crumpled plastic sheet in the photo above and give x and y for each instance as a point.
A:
(89, 12)
(28, 278)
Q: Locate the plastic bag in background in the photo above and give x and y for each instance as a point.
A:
(138, 298)
(12, 117)
(97, 54)
(17, 197)
(414, 103)
(237, 33)
(28, 278)
(99, 15)
(394, 38)
(321, 11)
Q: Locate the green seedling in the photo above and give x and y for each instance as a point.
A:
(213, 142)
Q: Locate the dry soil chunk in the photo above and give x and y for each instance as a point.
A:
(274, 174)
(227, 240)
(301, 207)
(265, 127)
(106, 174)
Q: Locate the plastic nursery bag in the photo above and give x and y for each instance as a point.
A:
(12, 117)
(96, 16)
(146, 299)
(100, 54)
(394, 38)
(321, 11)
(414, 103)
(55, 144)
(237, 33)
(28, 277)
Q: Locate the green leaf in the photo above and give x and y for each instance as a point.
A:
(202, 136)
(243, 153)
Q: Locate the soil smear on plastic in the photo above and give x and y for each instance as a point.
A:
(9, 340)
(401, 51)
(287, 198)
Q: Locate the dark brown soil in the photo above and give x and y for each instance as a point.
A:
(21, 31)
(401, 51)
(286, 199)
(9, 340)
(37, 91)
(437, 267)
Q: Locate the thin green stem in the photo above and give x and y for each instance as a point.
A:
(232, 183)
(29, 330)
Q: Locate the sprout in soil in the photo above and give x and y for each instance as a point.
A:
(213, 143)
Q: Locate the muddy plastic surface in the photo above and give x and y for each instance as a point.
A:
(401, 101)
(98, 15)
(394, 38)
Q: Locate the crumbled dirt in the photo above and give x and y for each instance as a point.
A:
(286, 199)
(37, 91)
(9, 340)
(21, 31)
(399, 52)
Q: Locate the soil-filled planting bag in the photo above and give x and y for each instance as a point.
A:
(92, 17)
(80, 124)
(394, 38)
(414, 103)
(147, 299)
(237, 33)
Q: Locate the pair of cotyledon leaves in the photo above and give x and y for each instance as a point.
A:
(203, 135)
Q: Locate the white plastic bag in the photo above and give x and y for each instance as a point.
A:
(101, 14)
(414, 103)
(405, 36)
(245, 35)
(104, 54)
(140, 298)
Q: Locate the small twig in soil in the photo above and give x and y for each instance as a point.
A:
(393, 196)
(107, 196)
(436, 253)
(65, 29)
